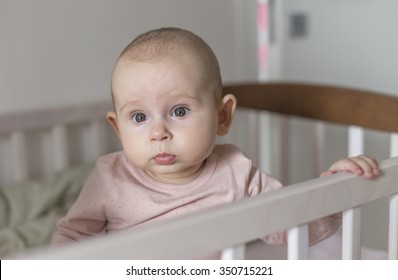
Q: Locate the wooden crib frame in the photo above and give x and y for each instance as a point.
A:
(230, 226)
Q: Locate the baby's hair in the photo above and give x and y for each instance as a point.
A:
(155, 43)
(167, 40)
(163, 41)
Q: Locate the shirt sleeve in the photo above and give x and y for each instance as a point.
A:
(318, 230)
(87, 216)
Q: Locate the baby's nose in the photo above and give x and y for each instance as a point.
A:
(160, 132)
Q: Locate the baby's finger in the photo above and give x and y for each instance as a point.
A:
(368, 166)
(327, 173)
(348, 164)
(372, 162)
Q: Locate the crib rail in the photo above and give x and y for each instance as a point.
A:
(321, 102)
(243, 221)
(16, 126)
(32, 120)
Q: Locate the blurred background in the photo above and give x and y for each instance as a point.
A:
(56, 52)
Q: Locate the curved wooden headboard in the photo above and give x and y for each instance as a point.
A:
(328, 103)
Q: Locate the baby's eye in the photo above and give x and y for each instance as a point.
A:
(179, 111)
(138, 117)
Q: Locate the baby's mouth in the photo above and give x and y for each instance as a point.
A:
(164, 159)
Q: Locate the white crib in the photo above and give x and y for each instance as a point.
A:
(226, 227)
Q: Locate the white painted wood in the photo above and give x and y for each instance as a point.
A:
(49, 117)
(234, 253)
(265, 148)
(298, 243)
(19, 156)
(319, 131)
(355, 141)
(280, 128)
(393, 212)
(98, 139)
(394, 145)
(351, 232)
(293, 205)
(15, 125)
(274, 145)
(60, 147)
(253, 136)
(351, 245)
(393, 228)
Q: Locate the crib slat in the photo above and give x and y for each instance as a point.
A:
(254, 128)
(393, 228)
(234, 253)
(355, 141)
(297, 241)
(319, 131)
(394, 145)
(265, 149)
(351, 246)
(393, 219)
(98, 143)
(60, 147)
(274, 151)
(283, 148)
(19, 155)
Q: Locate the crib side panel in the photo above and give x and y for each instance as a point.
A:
(35, 144)
(237, 223)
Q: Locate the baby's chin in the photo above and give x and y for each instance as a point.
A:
(172, 174)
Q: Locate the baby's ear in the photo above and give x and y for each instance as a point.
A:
(226, 108)
(112, 120)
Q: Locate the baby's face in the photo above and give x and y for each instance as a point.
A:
(167, 117)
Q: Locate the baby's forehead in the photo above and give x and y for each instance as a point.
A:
(130, 70)
(180, 55)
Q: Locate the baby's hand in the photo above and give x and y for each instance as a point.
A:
(361, 166)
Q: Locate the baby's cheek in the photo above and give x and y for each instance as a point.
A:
(136, 153)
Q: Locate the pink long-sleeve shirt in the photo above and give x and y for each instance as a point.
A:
(117, 196)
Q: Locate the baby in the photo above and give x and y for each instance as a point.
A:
(168, 110)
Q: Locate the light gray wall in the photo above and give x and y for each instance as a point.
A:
(57, 52)
(350, 43)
